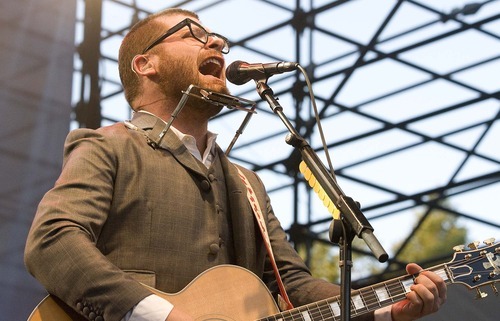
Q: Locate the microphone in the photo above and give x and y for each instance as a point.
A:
(240, 72)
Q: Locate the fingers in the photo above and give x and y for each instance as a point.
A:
(413, 268)
(425, 298)
(428, 292)
(426, 295)
(438, 282)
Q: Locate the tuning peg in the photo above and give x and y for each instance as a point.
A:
(458, 248)
(473, 245)
(489, 241)
(495, 290)
(480, 294)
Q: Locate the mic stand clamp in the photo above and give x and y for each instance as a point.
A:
(352, 219)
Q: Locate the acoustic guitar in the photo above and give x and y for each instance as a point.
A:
(230, 293)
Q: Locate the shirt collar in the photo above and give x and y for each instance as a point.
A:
(190, 142)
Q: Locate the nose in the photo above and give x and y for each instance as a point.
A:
(216, 42)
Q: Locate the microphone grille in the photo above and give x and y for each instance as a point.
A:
(233, 73)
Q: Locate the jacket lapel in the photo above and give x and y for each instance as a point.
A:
(170, 142)
(247, 243)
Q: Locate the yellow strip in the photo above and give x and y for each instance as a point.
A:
(315, 185)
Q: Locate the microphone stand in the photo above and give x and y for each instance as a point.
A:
(353, 222)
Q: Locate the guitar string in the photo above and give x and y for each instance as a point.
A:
(370, 298)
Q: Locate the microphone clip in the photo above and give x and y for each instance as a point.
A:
(155, 136)
(221, 100)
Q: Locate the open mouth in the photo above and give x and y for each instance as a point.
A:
(212, 67)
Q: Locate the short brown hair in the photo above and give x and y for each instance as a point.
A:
(138, 37)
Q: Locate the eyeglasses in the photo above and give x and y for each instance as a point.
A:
(197, 31)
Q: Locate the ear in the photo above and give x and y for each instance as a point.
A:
(143, 66)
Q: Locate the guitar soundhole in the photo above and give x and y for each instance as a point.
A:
(214, 317)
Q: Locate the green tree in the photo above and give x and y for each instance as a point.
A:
(437, 235)
(324, 260)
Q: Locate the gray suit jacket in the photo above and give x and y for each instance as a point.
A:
(122, 211)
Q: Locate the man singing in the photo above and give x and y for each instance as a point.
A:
(124, 212)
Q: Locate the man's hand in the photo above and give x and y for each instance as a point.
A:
(426, 296)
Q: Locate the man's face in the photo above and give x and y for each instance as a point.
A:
(185, 61)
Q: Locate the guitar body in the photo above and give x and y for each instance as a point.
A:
(224, 292)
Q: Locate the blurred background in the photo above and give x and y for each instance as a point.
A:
(407, 93)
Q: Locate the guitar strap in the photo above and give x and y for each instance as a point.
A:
(283, 299)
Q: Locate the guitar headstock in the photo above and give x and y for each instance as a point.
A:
(476, 267)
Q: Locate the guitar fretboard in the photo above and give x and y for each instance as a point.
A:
(362, 301)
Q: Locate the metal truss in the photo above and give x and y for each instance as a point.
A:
(304, 22)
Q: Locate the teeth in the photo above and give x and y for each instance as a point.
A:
(211, 60)
(211, 66)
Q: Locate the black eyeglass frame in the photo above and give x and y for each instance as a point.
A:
(188, 22)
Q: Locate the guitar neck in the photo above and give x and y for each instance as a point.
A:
(363, 300)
